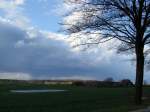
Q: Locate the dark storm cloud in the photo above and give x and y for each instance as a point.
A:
(48, 57)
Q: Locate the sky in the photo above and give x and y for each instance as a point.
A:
(32, 46)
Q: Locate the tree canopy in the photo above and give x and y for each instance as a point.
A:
(111, 19)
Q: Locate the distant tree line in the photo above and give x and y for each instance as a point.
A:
(109, 82)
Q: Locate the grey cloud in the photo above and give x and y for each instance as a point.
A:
(47, 57)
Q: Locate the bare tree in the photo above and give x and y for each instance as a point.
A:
(125, 20)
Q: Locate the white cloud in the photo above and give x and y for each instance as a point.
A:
(10, 4)
(15, 76)
(72, 19)
(14, 12)
(19, 2)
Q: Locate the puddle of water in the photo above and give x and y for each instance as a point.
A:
(37, 91)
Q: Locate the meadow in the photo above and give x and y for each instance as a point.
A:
(76, 99)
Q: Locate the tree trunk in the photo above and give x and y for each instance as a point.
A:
(139, 75)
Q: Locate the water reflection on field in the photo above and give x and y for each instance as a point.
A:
(37, 91)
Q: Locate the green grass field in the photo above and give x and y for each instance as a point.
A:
(77, 99)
